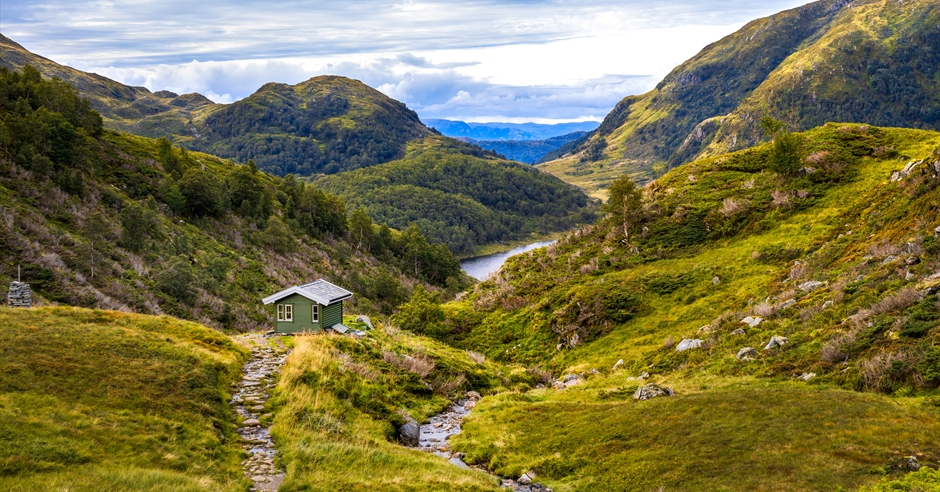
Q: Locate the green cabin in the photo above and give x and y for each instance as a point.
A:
(309, 308)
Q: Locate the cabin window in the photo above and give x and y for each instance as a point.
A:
(285, 312)
(316, 313)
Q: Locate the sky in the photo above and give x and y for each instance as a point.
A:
(473, 60)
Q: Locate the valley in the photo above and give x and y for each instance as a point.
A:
(732, 283)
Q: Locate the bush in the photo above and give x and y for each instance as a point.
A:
(177, 280)
(422, 314)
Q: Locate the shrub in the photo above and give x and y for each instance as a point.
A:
(177, 280)
(421, 314)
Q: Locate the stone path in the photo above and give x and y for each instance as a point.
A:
(433, 438)
(251, 394)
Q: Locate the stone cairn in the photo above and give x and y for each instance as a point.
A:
(20, 295)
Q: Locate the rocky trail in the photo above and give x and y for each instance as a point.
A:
(433, 436)
(251, 395)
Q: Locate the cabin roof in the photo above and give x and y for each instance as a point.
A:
(320, 291)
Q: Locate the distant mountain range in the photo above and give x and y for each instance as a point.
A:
(866, 61)
(508, 131)
(527, 151)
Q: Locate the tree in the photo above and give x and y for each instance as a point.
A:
(166, 156)
(625, 204)
(177, 280)
(421, 314)
(785, 156)
(360, 226)
(203, 193)
(278, 236)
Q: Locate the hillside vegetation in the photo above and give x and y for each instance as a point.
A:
(867, 61)
(102, 219)
(831, 241)
(100, 400)
(460, 196)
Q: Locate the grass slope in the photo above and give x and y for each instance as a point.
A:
(460, 196)
(866, 61)
(339, 401)
(723, 238)
(101, 400)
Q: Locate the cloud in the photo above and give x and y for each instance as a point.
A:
(472, 59)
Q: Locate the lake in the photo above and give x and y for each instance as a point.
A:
(481, 267)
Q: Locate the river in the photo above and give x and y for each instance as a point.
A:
(481, 267)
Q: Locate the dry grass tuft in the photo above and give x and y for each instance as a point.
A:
(731, 206)
(669, 343)
(476, 357)
(420, 364)
(540, 374)
(900, 301)
(781, 198)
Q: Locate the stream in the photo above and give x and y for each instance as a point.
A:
(481, 267)
(434, 435)
(258, 377)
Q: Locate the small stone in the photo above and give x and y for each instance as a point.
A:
(438, 425)
(251, 422)
(470, 405)
(259, 478)
(688, 344)
(473, 395)
(787, 304)
(890, 259)
(458, 462)
(912, 463)
(525, 479)
(618, 365)
(776, 341)
(594, 372)
(752, 321)
(364, 320)
(651, 391)
(806, 376)
(746, 353)
(739, 331)
(912, 260)
(716, 281)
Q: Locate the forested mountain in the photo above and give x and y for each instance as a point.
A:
(527, 151)
(323, 125)
(867, 61)
(461, 196)
(103, 219)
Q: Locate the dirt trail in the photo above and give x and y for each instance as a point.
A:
(251, 395)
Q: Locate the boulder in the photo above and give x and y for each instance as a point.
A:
(776, 341)
(364, 320)
(572, 379)
(746, 353)
(912, 463)
(473, 396)
(459, 463)
(688, 344)
(752, 321)
(409, 433)
(786, 304)
(739, 331)
(651, 390)
(525, 479)
(811, 285)
(618, 365)
(936, 231)
(593, 372)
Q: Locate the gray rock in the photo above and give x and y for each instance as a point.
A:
(651, 391)
(688, 344)
(806, 376)
(811, 285)
(936, 231)
(459, 463)
(525, 479)
(912, 260)
(364, 320)
(776, 341)
(746, 353)
(251, 422)
(786, 304)
(739, 331)
(618, 365)
(752, 321)
(890, 259)
(912, 463)
(572, 379)
(473, 396)
(409, 433)
(716, 281)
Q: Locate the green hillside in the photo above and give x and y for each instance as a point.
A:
(865, 61)
(326, 124)
(832, 254)
(97, 218)
(461, 196)
(101, 400)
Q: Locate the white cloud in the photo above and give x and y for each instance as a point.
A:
(473, 59)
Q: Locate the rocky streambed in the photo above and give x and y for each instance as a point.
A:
(251, 395)
(433, 436)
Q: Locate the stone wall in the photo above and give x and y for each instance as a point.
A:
(20, 295)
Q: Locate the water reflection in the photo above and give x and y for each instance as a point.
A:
(481, 267)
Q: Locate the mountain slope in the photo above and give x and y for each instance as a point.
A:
(841, 257)
(833, 60)
(324, 125)
(102, 219)
(460, 196)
